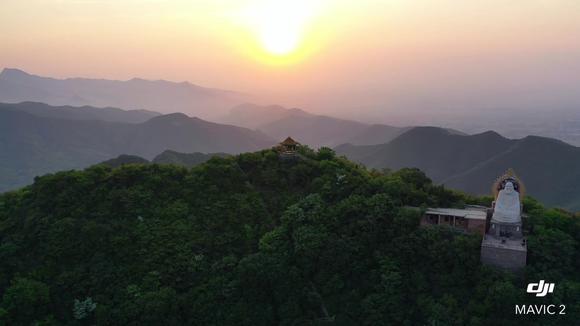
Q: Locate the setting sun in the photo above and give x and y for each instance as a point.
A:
(280, 26)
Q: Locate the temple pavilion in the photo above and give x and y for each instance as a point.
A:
(288, 149)
(503, 244)
(289, 145)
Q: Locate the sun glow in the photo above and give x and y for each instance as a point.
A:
(280, 27)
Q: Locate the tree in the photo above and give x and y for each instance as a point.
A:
(25, 301)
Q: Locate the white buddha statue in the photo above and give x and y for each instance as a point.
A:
(507, 206)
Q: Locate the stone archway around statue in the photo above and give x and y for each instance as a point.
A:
(509, 176)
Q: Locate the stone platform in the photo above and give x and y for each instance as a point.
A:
(508, 254)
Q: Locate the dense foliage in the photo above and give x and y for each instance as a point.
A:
(256, 240)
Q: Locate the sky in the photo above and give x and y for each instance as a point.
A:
(365, 59)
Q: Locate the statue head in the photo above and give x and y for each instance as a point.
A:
(509, 177)
(509, 187)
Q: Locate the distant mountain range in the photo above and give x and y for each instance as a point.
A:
(310, 129)
(35, 142)
(81, 113)
(158, 95)
(550, 168)
(36, 138)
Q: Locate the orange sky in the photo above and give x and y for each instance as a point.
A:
(371, 55)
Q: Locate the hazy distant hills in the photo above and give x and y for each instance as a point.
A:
(167, 157)
(254, 116)
(439, 152)
(34, 144)
(184, 134)
(159, 95)
(81, 113)
(36, 138)
(314, 130)
(549, 168)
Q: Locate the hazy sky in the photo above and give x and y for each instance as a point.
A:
(360, 58)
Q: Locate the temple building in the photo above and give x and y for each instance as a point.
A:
(504, 244)
(288, 149)
(470, 219)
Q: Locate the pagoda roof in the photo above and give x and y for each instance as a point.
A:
(289, 141)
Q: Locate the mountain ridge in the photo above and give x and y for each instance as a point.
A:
(32, 145)
(310, 129)
(81, 112)
(159, 95)
(472, 162)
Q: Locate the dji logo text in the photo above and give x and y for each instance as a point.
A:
(541, 289)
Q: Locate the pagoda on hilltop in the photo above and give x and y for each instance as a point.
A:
(289, 146)
(504, 244)
(288, 149)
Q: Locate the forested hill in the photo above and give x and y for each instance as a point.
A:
(167, 157)
(255, 240)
